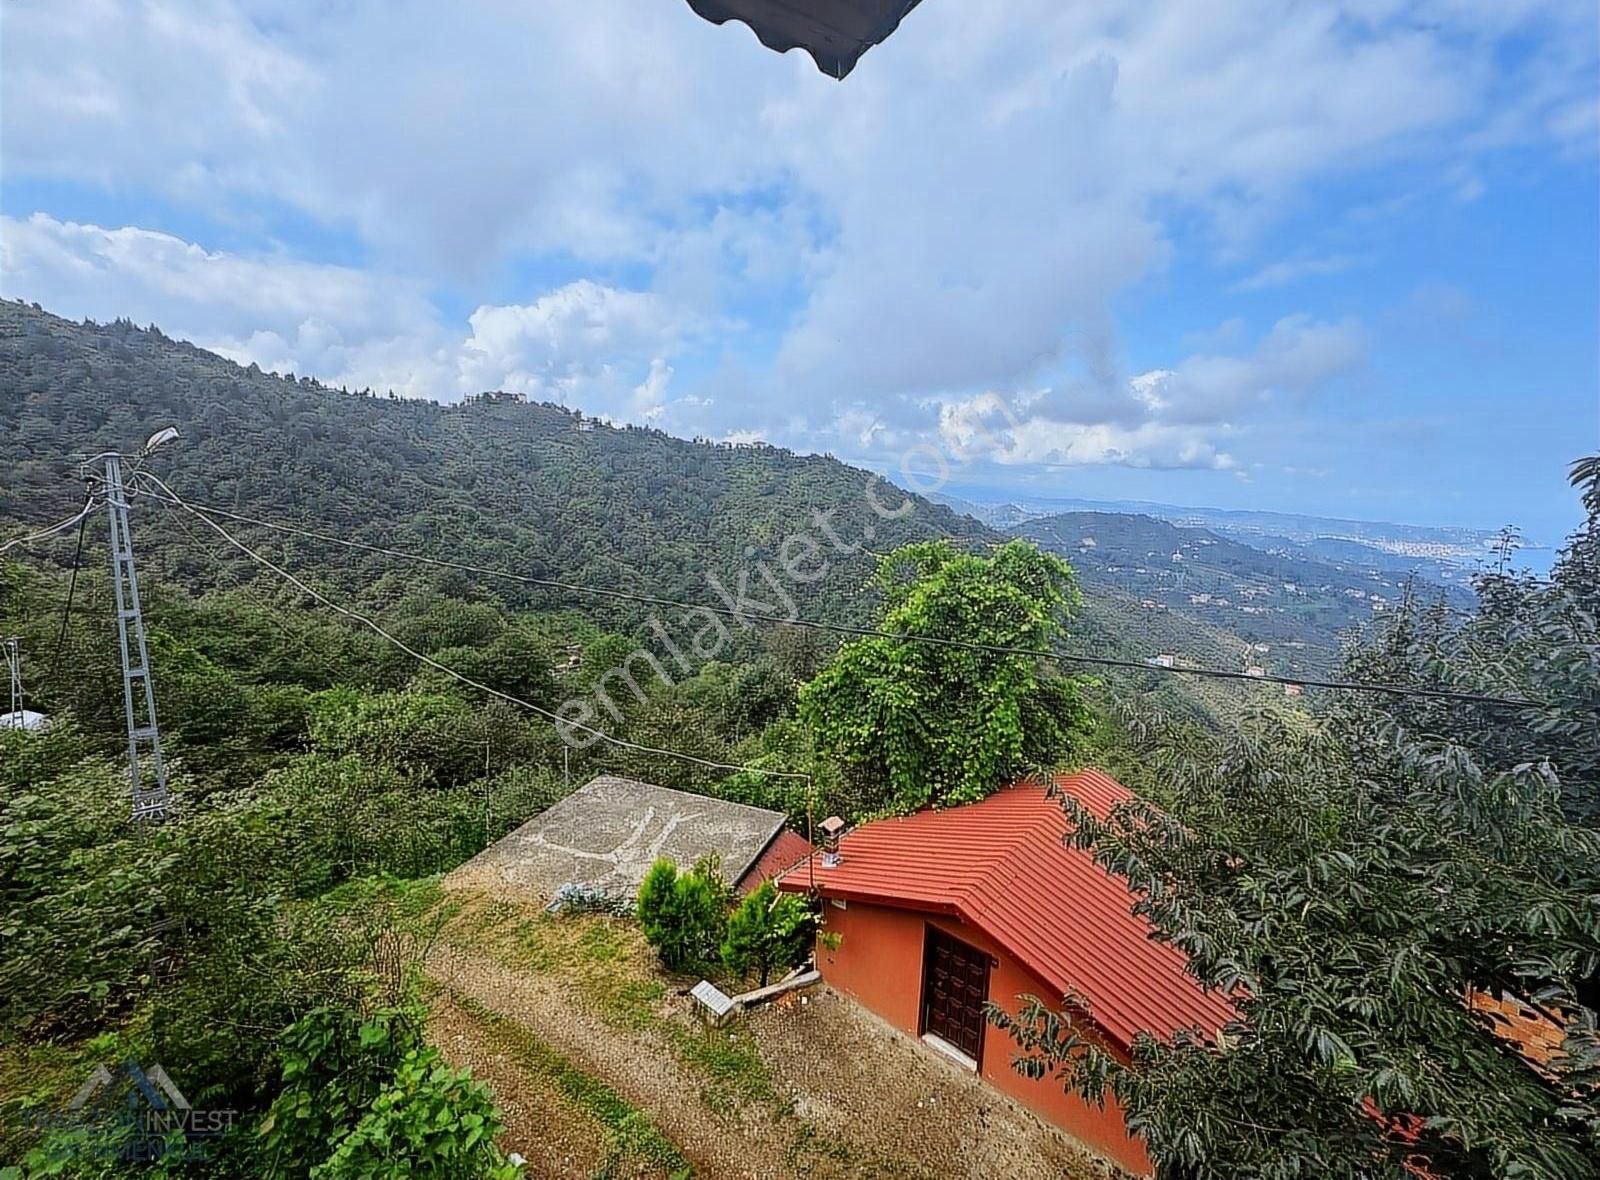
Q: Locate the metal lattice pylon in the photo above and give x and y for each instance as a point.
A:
(13, 649)
(147, 770)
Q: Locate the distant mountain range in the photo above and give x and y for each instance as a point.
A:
(1286, 612)
(1446, 555)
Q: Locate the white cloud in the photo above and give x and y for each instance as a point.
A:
(1169, 418)
(1298, 356)
(1291, 270)
(986, 428)
(961, 216)
(583, 343)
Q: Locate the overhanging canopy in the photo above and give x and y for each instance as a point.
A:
(834, 32)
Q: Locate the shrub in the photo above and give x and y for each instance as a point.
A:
(364, 1097)
(684, 915)
(769, 929)
(335, 1064)
(574, 897)
(430, 1123)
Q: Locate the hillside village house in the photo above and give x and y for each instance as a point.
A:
(942, 911)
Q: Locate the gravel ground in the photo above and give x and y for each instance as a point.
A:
(639, 1066)
(853, 1097)
(541, 1126)
(850, 1073)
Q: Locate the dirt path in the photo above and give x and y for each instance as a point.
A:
(850, 1073)
(541, 1125)
(640, 1066)
(845, 1096)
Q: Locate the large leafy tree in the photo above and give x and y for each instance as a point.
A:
(922, 723)
(1536, 641)
(1351, 885)
(1353, 879)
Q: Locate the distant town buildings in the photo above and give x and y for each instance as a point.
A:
(496, 397)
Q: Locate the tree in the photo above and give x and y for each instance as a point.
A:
(1530, 640)
(684, 914)
(1350, 884)
(769, 929)
(927, 723)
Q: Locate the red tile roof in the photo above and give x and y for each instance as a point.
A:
(1001, 866)
(787, 849)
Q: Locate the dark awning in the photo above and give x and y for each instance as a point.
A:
(834, 32)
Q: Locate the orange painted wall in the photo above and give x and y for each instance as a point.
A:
(879, 963)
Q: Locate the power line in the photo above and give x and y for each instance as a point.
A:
(845, 628)
(45, 534)
(451, 672)
(72, 587)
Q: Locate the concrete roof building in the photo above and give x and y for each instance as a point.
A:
(608, 833)
(24, 719)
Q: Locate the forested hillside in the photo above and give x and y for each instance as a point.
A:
(536, 488)
(1379, 854)
(1287, 613)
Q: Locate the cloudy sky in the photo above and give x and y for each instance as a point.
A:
(1335, 258)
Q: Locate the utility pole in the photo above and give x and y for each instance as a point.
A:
(147, 770)
(13, 648)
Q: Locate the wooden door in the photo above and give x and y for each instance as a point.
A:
(955, 985)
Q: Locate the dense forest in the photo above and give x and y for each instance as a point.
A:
(1350, 867)
(535, 489)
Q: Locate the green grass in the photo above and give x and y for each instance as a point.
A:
(630, 1133)
(38, 1077)
(728, 1057)
(606, 961)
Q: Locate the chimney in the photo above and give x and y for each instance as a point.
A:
(832, 829)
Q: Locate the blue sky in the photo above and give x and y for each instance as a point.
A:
(1316, 257)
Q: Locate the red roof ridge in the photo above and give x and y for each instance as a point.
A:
(784, 851)
(1002, 865)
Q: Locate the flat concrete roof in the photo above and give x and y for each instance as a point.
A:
(609, 832)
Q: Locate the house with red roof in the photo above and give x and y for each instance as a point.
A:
(938, 913)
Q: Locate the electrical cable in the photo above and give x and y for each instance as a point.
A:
(44, 534)
(1395, 690)
(420, 657)
(72, 587)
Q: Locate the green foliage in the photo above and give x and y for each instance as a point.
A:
(769, 929)
(684, 914)
(363, 1099)
(1537, 641)
(927, 723)
(430, 736)
(535, 488)
(334, 1065)
(80, 891)
(1351, 877)
(1349, 883)
(430, 1123)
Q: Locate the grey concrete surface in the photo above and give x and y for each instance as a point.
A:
(607, 834)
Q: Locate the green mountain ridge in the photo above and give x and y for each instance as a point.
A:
(539, 489)
(532, 488)
(1286, 613)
